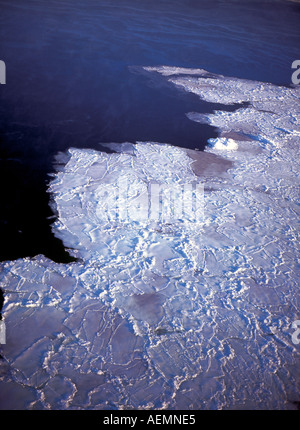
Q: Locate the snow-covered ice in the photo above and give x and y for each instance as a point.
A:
(192, 309)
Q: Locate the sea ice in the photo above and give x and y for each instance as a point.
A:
(185, 287)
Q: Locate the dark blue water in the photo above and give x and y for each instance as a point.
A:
(70, 83)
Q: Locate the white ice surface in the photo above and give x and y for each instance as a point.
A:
(189, 313)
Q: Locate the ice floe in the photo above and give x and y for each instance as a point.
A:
(185, 287)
